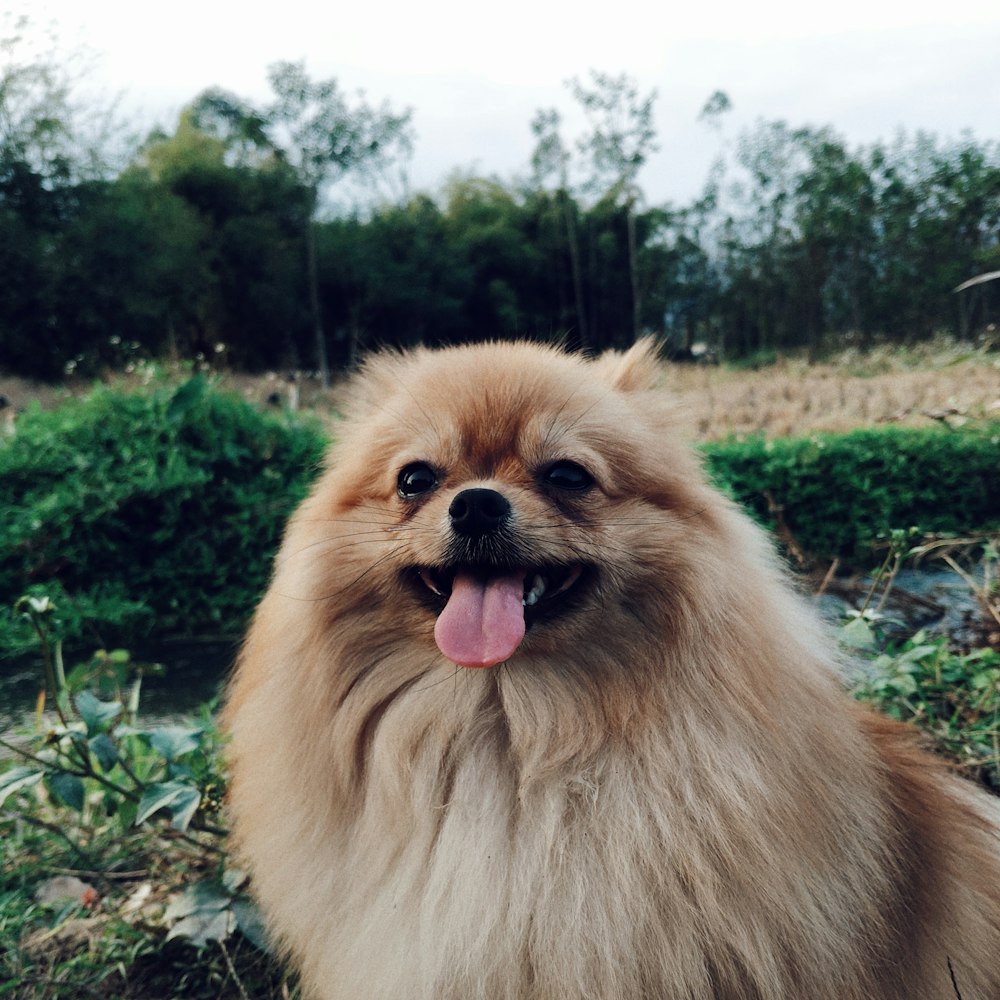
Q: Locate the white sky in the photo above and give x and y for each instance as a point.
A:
(474, 74)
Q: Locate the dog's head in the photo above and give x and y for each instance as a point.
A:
(510, 500)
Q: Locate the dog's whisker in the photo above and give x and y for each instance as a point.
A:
(323, 598)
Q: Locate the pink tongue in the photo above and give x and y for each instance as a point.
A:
(483, 622)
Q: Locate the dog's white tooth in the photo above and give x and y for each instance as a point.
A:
(536, 591)
(429, 581)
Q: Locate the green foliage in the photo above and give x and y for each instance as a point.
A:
(135, 509)
(837, 495)
(216, 235)
(953, 697)
(136, 811)
(158, 513)
(96, 757)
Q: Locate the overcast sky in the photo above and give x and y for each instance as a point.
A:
(474, 73)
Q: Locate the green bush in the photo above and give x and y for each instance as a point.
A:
(135, 809)
(838, 494)
(140, 511)
(953, 697)
(158, 513)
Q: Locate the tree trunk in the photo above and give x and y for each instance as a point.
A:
(574, 262)
(633, 271)
(322, 364)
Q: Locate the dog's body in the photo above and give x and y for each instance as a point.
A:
(658, 793)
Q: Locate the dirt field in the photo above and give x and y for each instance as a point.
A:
(914, 388)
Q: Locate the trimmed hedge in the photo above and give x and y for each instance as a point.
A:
(157, 514)
(147, 512)
(838, 494)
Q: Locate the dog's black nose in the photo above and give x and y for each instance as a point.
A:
(478, 512)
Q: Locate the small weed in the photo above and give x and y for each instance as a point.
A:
(953, 696)
(115, 877)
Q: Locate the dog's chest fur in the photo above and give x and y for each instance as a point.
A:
(455, 875)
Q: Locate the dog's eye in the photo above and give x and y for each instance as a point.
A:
(414, 479)
(568, 476)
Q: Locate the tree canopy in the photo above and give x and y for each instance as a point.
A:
(214, 239)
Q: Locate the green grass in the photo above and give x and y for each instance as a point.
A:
(113, 949)
(952, 697)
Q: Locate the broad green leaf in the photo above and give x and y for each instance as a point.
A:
(67, 788)
(157, 797)
(175, 741)
(96, 714)
(234, 879)
(203, 913)
(917, 653)
(183, 808)
(857, 634)
(202, 927)
(16, 779)
(251, 924)
(102, 747)
(905, 684)
(180, 798)
(205, 896)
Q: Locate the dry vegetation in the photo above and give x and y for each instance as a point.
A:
(792, 397)
(912, 387)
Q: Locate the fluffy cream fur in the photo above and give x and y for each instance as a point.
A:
(663, 795)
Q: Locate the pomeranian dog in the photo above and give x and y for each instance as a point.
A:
(531, 712)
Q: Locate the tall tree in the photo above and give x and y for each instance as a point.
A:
(36, 114)
(550, 159)
(312, 126)
(252, 219)
(620, 139)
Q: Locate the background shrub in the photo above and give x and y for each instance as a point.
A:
(142, 511)
(157, 514)
(837, 494)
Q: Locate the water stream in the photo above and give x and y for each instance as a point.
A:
(193, 675)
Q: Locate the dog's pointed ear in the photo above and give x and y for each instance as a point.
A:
(633, 370)
(376, 379)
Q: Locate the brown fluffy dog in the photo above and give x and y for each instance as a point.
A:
(654, 788)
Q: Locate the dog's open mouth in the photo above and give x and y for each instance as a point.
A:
(538, 585)
(486, 611)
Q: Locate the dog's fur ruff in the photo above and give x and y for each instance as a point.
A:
(663, 795)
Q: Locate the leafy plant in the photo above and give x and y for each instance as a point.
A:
(122, 801)
(953, 697)
(837, 495)
(150, 510)
(96, 758)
